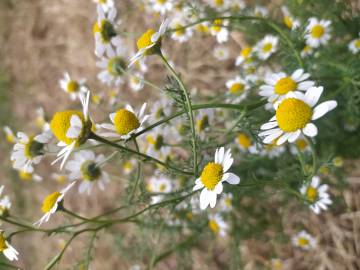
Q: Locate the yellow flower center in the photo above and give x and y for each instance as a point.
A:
(72, 87)
(90, 171)
(145, 40)
(217, 25)
(180, 31)
(128, 166)
(125, 121)
(214, 226)
(3, 244)
(219, 3)
(293, 114)
(267, 47)
(228, 202)
(106, 30)
(116, 66)
(311, 194)
(338, 161)
(161, 1)
(301, 144)
(277, 264)
(25, 175)
(285, 85)
(33, 148)
(244, 140)
(245, 52)
(202, 123)
(202, 28)
(237, 88)
(156, 142)
(303, 242)
(10, 138)
(288, 21)
(317, 31)
(50, 201)
(307, 49)
(60, 124)
(211, 175)
(357, 43)
(162, 187)
(102, 1)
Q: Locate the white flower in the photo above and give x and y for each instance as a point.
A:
(51, 203)
(162, 6)
(272, 150)
(5, 203)
(149, 41)
(217, 224)
(125, 122)
(10, 137)
(104, 32)
(128, 166)
(106, 5)
(40, 119)
(266, 47)
(212, 178)
(261, 11)
(317, 32)
(304, 240)
(70, 86)
(203, 120)
(294, 115)
(86, 166)
(5, 247)
(317, 195)
(279, 84)
(136, 81)
(244, 55)
(180, 34)
(238, 87)
(161, 109)
(218, 29)
(26, 176)
(225, 203)
(354, 45)
(306, 51)
(221, 53)
(155, 144)
(29, 150)
(245, 143)
(159, 184)
(220, 4)
(289, 20)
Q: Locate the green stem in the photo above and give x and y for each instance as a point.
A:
(137, 175)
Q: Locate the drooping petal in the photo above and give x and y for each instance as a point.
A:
(310, 130)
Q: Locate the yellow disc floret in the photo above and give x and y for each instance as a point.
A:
(50, 201)
(288, 21)
(211, 175)
(60, 124)
(72, 87)
(267, 47)
(244, 140)
(303, 242)
(145, 40)
(317, 31)
(3, 244)
(357, 43)
(237, 88)
(216, 27)
(285, 85)
(219, 3)
(125, 121)
(214, 226)
(245, 52)
(311, 194)
(293, 114)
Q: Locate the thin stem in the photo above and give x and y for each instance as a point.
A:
(314, 159)
(138, 173)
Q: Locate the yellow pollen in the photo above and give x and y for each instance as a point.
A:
(317, 31)
(50, 201)
(303, 242)
(301, 144)
(245, 52)
(288, 21)
(237, 88)
(25, 175)
(293, 114)
(125, 121)
(244, 140)
(214, 226)
(60, 124)
(219, 3)
(357, 43)
(267, 47)
(145, 40)
(285, 85)
(311, 194)
(72, 87)
(211, 175)
(217, 25)
(3, 244)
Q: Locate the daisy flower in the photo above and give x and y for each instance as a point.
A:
(294, 115)
(10, 136)
(316, 195)
(5, 204)
(71, 128)
(128, 166)
(27, 176)
(277, 264)
(29, 150)
(219, 30)
(136, 81)
(304, 241)
(217, 225)
(161, 109)
(300, 145)
(125, 122)
(70, 86)
(238, 87)
(162, 6)
(317, 32)
(104, 32)
(159, 184)
(261, 11)
(150, 42)
(8, 251)
(212, 178)
(226, 202)
(106, 5)
(289, 20)
(155, 145)
(245, 143)
(244, 55)
(51, 204)
(221, 53)
(277, 85)
(86, 167)
(219, 4)
(306, 51)
(272, 150)
(354, 45)
(267, 46)
(180, 34)
(203, 120)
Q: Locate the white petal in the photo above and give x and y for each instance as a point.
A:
(212, 199)
(313, 94)
(204, 199)
(269, 125)
(323, 108)
(231, 178)
(272, 137)
(310, 130)
(294, 136)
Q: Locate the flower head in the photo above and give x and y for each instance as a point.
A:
(219, 30)
(71, 86)
(162, 6)
(5, 203)
(106, 5)
(317, 32)
(238, 87)
(212, 178)
(266, 47)
(159, 184)
(244, 55)
(10, 137)
(289, 20)
(304, 241)
(354, 45)
(7, 249)
(217, 225)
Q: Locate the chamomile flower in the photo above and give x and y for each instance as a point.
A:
(306, 51)
(41, 119)
(160, 109)
(161, 6)
(245, 54)
(301, 145)
(104, 32)
(294, 115)
(317, 32)
(86, 167)
(217, 225)
(225, 203)
(238, 87)
(221, 53)
(219, 30)
(150, 42)
(29, 150)
(5, 203)
(106, 5)
(60, 178)
(203, 121)
(51, 204)
(212, 178)
(128, 166)
(316, 195)
(354, 45)
(29, 176)
(155, 144)
(136, 81)
(159, 184)
(304, 240)
(245, 143)
(125, 122)
(289, 20)
(219, 4)
(277, 264)
(261, 11)
(71, 128)
(180, 34)
(277, 85)
(272, 150)
(266, 47)
(71, 86)
(5, 247)
(10, 136)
